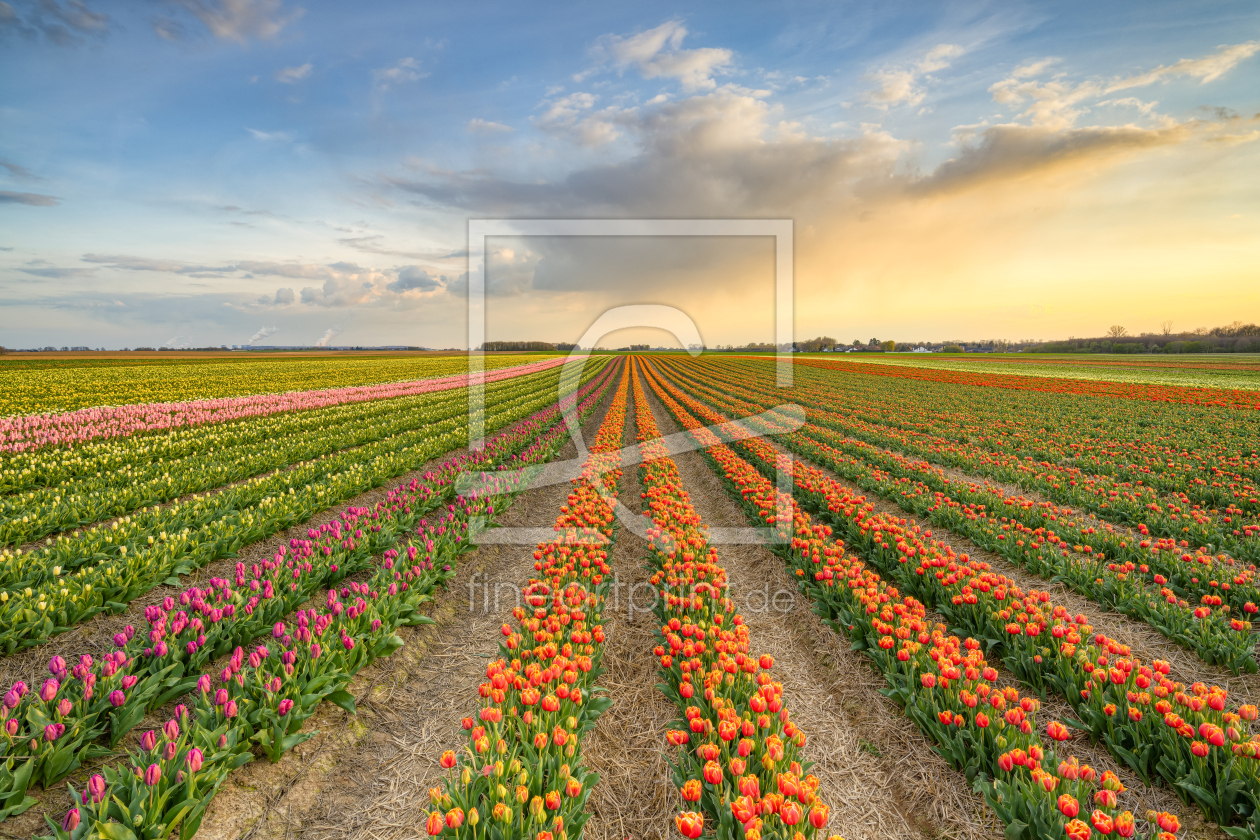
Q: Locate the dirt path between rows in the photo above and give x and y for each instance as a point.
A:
(879, 774)
(635, 797)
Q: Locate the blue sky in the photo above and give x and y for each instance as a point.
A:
(200, 172)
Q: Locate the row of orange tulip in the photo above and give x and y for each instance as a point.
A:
(742, 766)
(521, 774)
(946, 685)
(1039, 535)
(264, 704)
(1203, 551)
(1190, 738)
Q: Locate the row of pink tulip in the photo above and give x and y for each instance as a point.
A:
(33, 431)
(46, 734)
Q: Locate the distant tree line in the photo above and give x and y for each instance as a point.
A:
(1233, 338)
(517, 346)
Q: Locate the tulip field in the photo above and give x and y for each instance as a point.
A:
(1048, 585)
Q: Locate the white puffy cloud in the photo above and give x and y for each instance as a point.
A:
(658, 53)
(1206, 69)
(480, 126)
(292, 75)
(1057, 103)
(897, 85)
(406, 70)
(575, 116)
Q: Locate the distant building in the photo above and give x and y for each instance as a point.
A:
(920, 350)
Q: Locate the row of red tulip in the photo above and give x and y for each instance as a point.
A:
(1217, 636)
(1177, 394)
(521, 772)
(47, 734)
(1120, 700)
(742, 764)
(1146, 588)
(947, 687)
(1143, 446)
(1222, 546)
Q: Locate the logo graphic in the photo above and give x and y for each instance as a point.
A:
(781, 419)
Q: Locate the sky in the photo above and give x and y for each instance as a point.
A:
(191, 173)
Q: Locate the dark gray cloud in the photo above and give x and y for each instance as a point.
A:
(33, 199)
(65, 24)
(283, 298)
(20, 173)
(132, 263)
(374, 245)
(232, 208)
(1010, 152)
(231, 20)
(54, 272)
(412, 277)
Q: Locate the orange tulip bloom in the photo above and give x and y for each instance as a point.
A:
(713, 772)
(690, 824)
(1077, 830)
(1102, 822)
(791, 813)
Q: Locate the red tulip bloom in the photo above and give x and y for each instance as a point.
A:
(743, 809)
(1077, 830)
(818, 815)
(447, 760)
(791, 813)
(749, 786)
(1068, 806)
(691, 790)
(1102, 822)
(434, 826)
(690, 824)
(713, 773)
(455, 818)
